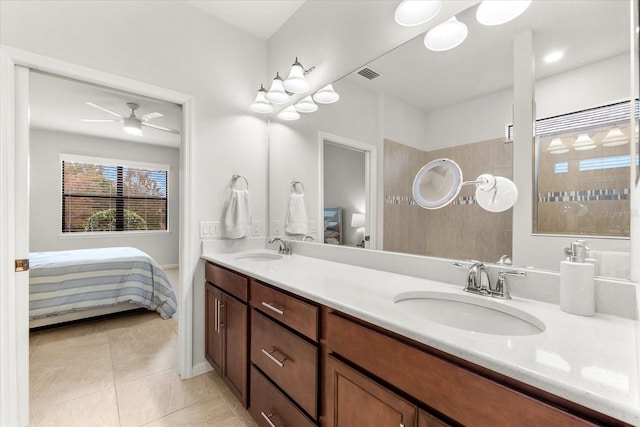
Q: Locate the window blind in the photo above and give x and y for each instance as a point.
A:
(101, 197)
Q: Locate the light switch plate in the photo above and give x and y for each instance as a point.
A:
(256, 228)
(210, 229)
(276, 228)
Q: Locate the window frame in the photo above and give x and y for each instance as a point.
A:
(106, 161)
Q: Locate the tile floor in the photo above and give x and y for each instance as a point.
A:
(122, 371)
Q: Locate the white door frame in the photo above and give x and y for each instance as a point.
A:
(14, 393)
(371, 162)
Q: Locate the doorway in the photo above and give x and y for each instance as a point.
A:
(14, 214)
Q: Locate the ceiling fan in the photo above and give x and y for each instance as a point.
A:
(132, 124)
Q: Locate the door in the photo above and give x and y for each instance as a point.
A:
(235, 346)
(213, 327)
(355, 400)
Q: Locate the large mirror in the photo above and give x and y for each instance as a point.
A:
(413, 105)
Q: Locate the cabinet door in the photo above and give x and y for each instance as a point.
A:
(213, 330)
(354, 400)
(235, 346)
(427, 420)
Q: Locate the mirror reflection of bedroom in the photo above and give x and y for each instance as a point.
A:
(344, 199)
(103, 225)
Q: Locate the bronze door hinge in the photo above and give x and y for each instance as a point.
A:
(22, 265)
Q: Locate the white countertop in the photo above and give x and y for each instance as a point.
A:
(592, 361)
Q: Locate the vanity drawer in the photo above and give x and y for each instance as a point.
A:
(268, 402)
(290, 361)
(297, 314)
(230, 282)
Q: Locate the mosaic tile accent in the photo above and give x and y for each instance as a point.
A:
(408, 200)
(583, 195)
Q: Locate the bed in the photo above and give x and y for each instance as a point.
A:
(333, 226)
(68, 285)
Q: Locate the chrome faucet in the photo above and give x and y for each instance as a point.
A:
(478, 279)
(285, 249)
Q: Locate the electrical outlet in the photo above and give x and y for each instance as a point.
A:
(204, 230)
(276, 229)
(210, 229)
(256, 228)
(216, 229)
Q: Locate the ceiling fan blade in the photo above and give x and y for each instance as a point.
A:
(100, 120)
(151, 116)
(91, 104)
(161, 128)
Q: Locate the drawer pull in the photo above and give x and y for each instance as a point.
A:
(269, 354)
(218, 316)
(271, 307)
(268, 418)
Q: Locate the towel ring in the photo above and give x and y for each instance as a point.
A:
(294, 188)
(234, 180)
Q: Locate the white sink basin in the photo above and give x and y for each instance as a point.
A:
(469, 312)
(258, 256)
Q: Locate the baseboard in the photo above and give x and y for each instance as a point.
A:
(201, 368)
(165, 267)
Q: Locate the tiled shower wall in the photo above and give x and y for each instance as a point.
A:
(461, 230)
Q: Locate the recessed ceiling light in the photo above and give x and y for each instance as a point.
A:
(553, 56)
(415, 12)
(445, 36)
(496, 12)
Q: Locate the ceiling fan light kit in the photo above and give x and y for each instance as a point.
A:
(132, 124)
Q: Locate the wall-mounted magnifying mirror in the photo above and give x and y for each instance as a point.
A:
(437, 183)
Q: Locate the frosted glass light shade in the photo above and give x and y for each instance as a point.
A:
(260, 104)
(276, 94)
(583, 142)
(415, 12)
(306, 105)
(557, 147)
(326, 95)
(132, 126)
(357, 220)
(289, 113)
(447, 35)
(496, 12)
(614, 137)
(296, 82)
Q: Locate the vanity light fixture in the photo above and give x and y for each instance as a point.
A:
(296, 83)
(306, 105)
(614, 137)
(277, 94)
(554, 56)
(260, 104)
(410, 13)
(583, 142)
(133, 126)
(557, 146)
(447, 35)
(326, 95)
(289, 114)
(497, 12)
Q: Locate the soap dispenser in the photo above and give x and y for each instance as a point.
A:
(577, 284)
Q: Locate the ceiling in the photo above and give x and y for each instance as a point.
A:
(587, 31)
(57, 103)
(258, 17)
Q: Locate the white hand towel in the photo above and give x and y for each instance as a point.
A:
(296, 222)
(237, 219)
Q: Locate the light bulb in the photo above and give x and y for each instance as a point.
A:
(557, 147)
(326, 95)
(289, 113)
(306, 105)
(132, 126)
(447, 35)
(496, 12)
(276, 94)
(296, 83)
(614, 137)
(415, 12)
(260, 104)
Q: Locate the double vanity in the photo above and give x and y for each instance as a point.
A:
(305, 341)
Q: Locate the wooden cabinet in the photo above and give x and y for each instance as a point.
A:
(354, 400)
(284, 330)
(226, 328)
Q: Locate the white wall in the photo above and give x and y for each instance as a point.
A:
(344, 187)
(46, 202)
(174, 46)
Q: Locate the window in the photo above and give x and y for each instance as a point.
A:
(103, 195)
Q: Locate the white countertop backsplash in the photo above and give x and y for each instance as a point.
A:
(592, 361)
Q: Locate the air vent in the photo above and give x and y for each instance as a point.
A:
(368, 73)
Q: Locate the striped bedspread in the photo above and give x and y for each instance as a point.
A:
(65, 281)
